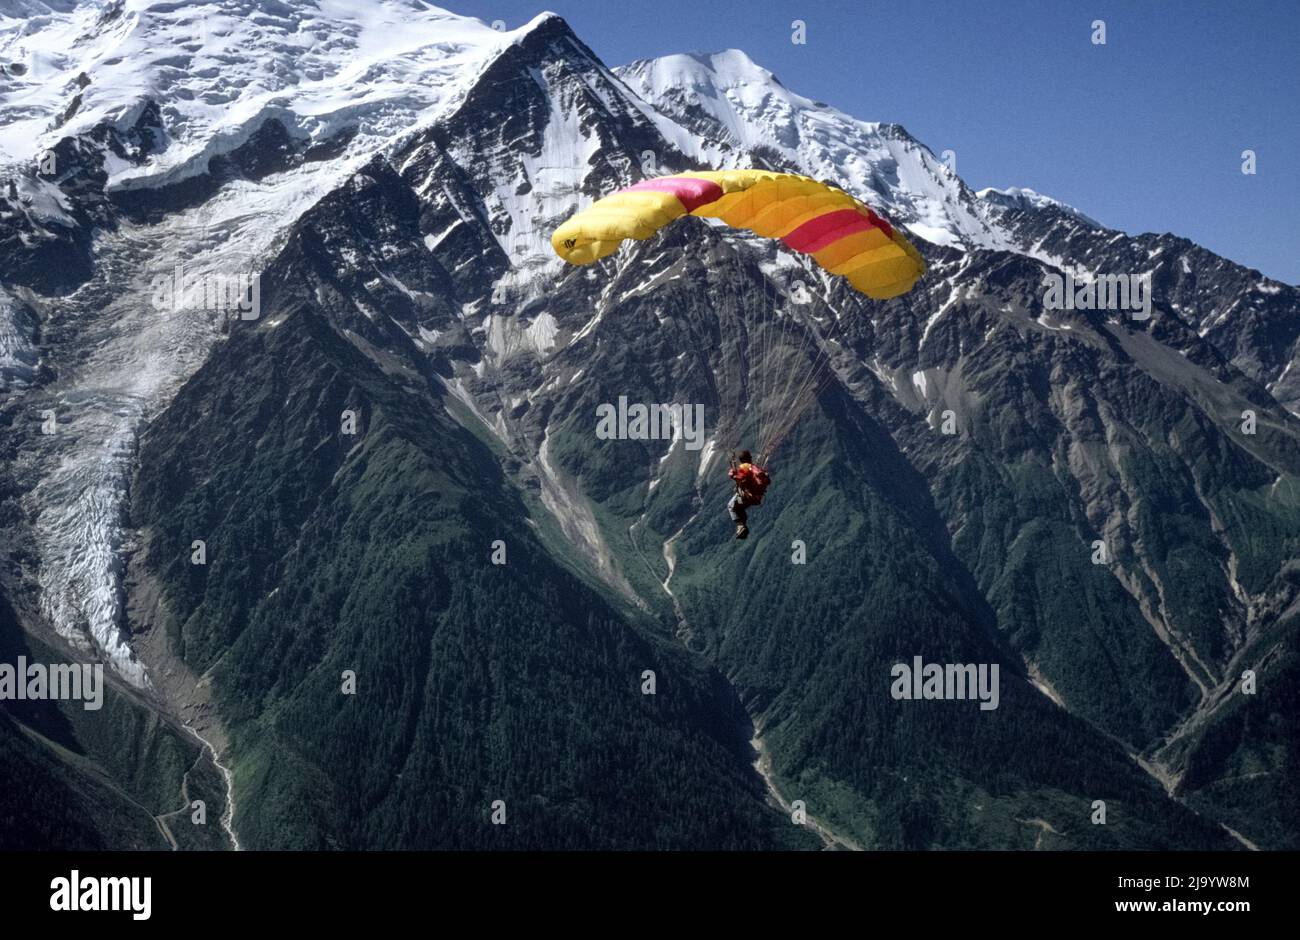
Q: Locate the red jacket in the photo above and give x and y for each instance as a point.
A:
(752, 482)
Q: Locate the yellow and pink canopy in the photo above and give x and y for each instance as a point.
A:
(843, 235)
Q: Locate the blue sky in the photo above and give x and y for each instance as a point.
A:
(1144, 133)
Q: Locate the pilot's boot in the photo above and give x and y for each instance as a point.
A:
(742, 531)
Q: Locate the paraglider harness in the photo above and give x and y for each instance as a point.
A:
(751, 488)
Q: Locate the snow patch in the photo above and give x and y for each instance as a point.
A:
(18, 353)
(1018, 197)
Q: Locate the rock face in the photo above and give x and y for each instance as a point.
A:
(428, 585)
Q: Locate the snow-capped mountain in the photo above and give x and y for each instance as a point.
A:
(141, 109)
(1027, 200)
(725, 110)
(218, 71)
(389, 174)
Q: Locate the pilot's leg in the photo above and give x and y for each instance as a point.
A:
(739, 515)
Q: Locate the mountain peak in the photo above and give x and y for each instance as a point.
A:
(730, 71)
(1022, 198)
(545, 23)
(220, 70)
(730, 66)
(723, 109)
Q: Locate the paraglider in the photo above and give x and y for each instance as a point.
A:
(751, 483)
(844, 236)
